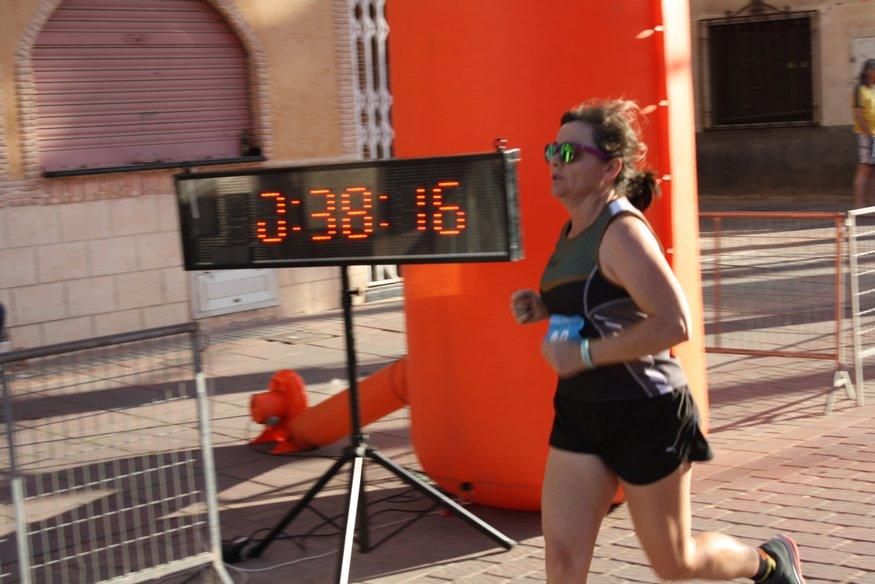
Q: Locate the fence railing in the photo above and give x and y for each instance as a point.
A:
(111, 475)
(861, 249)
(774, 285)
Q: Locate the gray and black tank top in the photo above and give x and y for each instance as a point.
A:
(573, 284)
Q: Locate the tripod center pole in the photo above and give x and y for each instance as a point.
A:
(347, 293)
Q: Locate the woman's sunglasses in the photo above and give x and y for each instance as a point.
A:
(568, 152)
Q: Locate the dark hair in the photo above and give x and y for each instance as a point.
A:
(616, 131)
(869, 65)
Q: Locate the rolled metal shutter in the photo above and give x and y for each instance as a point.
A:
(127, 82)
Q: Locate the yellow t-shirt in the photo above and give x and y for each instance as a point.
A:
(864, 98)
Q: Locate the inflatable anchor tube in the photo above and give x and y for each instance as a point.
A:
(329, 421)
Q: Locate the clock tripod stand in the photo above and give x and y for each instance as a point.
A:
(356, 453)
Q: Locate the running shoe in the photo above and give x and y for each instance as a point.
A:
(788, 569)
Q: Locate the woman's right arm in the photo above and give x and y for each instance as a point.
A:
(527, 306)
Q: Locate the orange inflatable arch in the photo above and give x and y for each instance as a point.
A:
(464, 73)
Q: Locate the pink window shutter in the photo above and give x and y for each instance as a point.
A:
(152, 81)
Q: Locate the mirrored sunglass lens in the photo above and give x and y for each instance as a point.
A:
(567, 152)
(549, 151)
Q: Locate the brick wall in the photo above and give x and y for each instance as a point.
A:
(798, 161)
(78, 270)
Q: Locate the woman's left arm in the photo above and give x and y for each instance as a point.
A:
(630, 257)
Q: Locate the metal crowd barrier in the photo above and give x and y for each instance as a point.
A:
(861, 244)
(110, 469)
(774, 286)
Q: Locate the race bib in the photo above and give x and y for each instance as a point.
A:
(564, 328)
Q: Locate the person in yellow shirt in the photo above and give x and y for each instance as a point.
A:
(864, 127)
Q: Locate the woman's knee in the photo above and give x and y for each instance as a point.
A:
(565, 560)
(679, 564)
(674, 568)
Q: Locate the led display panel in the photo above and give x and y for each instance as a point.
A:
(393, 211)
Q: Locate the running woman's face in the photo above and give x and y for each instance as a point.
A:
(583, 176)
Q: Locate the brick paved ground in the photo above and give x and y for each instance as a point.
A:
(781, 465)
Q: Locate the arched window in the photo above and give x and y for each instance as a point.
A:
(146, 84)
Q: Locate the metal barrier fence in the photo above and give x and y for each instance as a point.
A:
(773, 285)
(861, 249)
(111, 470)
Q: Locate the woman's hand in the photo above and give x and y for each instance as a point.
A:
(527, 306)
(563, 356)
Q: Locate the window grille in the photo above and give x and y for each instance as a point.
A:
(761, 70)
(373, 100)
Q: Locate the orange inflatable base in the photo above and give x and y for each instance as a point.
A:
(294, 427)
(620, 497)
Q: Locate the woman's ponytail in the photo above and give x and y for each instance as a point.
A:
(640, 189)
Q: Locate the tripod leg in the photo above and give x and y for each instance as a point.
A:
(355, 485)
(463, 513)
(279, 527)
(364, 535)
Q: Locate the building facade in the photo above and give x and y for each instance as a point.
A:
(773, 85)
(103, 102)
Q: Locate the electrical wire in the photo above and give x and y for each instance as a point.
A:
(274, 567)
(313, 557)
(403, 497)
(245, 577)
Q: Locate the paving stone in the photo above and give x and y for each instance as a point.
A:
(855, 533)
(864, 521)
(865, 563)
(822, 556)
(456, 570)
(519, 566)
(485, 578)
(828, 542)
(845, 507)
(802, 513)
(831, 573)
(858, 547)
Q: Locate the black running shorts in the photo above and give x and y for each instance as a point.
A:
(642, 440)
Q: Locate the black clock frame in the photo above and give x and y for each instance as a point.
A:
(228, 240)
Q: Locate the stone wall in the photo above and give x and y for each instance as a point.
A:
(777, 160)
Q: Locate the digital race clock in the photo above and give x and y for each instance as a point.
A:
(415, 210)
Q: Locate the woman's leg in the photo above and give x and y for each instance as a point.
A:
(661, 514)
(577, 493)
(860, 185)
(869, 185)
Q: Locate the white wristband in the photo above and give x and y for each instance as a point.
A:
(585, 355)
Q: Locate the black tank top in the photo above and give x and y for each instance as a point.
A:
(573, 284)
